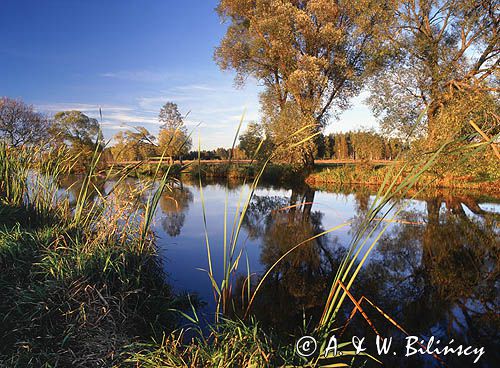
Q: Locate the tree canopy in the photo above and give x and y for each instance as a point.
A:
(171, 117)
(173, 139)
(20, 124)
(80, 133)
(133, 145)
(445, 52)
(309, 55)
(75, 128)
(252, 138)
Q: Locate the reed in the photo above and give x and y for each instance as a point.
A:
(232, 256)
(71, 275)
(398, 182)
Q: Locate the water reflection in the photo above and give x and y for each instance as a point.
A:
(295, 285)
(72, 186)
(439, 276)
(435, 271)
(174, 204)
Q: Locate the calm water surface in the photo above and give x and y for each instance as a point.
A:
(435, 270)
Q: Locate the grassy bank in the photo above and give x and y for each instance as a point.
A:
(272, 172)
(367, 174)
(65, 303)
(276, 173)
(77, 285)
(83, 287)
(482, 177)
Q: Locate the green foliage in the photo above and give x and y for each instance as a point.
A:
(173, 142)
(222, 170)
(282, 128)
(80, 133)
(135, 145)
(232, 343)
(252, 138)
(75, 128)
(77, 276)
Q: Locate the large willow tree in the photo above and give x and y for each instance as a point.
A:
(446, 63)
(310, 55)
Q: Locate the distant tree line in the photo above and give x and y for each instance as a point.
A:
(21, 125)
(219, 153)
(80, 135)
(357, 145)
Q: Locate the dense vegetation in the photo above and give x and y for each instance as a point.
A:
(80, 283)
(313, 56)
(75, 272)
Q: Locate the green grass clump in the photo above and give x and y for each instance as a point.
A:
(483, 176)
(229, 170)
(232, 343)
(63, 303)
(273, 172)
(76, 285)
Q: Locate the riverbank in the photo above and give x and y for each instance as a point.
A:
(74, 298)
(324, 174)
(280, 173)
(66, 302)
(375, 175)
(83, 286)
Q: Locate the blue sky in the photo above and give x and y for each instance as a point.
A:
(130, 57)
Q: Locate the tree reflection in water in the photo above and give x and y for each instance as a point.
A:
(174, 203)
(297, 285)
(436, 272)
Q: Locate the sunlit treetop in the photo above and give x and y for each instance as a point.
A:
(316, 53)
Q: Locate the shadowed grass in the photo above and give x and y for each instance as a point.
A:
(86, 288)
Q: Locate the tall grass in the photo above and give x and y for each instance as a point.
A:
(29, 177)
(94, 272)
(397, 183)
(78, 288)
(231, 255)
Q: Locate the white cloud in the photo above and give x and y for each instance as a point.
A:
(146, 76)
(196, 87)
(83, 107)
(131, 118)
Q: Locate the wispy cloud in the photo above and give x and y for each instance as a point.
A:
(134, 118)
(197, 87)
(215, 106)
(147, 76)
(84, 107)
